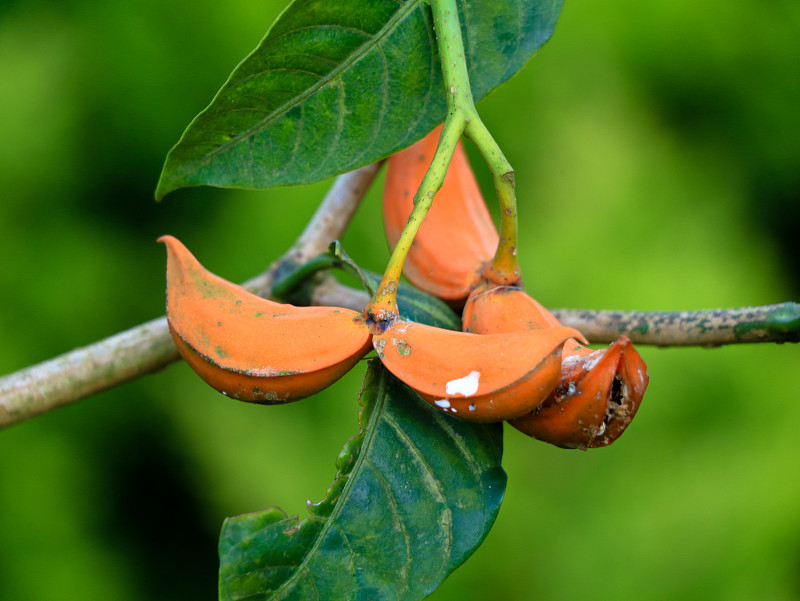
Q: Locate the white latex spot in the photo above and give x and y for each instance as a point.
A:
(443, 403)
(466, 386)
(591, 360)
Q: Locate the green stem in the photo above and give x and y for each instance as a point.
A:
(292, 277)
(504, 268)
(383, 306)
(289, 275)
(461, 117)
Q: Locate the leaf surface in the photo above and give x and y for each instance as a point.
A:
(415, 494)
(337, 85)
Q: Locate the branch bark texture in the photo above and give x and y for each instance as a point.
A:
(769, 323)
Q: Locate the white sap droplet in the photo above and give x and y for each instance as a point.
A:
(443, 403)
(602, 429)
(466, 386)
(472, 407)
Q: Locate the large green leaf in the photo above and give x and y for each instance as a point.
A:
(415, 494)
(337, 85)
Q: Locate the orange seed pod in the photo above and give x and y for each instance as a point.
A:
(599, 390)
(598, 397)
(254, 349)
(475, 378)
(457, 236)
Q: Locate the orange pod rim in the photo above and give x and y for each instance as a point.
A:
(504, 309)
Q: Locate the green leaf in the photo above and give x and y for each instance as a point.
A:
(337, 85)
(415, 494)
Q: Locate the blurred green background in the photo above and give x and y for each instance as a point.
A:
(657, 149)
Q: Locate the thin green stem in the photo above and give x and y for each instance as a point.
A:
(461, 117)
(383, 306)
(504, 268)
(286, 281)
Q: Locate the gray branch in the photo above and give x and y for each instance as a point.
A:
(770, 323)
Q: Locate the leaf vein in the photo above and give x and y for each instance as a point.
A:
(340, 119)
(434, 55)
(301, 124)
(430, 477)
(369, 434)
(356, 55)
(383, 110)
(325, 27)
(401, 524)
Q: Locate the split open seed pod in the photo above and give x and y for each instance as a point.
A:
(597, 398)
(253, 349)
(475, 378)
(457, 236)
(599, 390)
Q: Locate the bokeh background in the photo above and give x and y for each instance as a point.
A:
(657, 149)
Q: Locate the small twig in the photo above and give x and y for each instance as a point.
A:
(148, 347)
(769, 323)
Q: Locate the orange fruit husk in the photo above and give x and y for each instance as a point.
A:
(599, 391)
(475, 378)
(457, 236)
(254, 349)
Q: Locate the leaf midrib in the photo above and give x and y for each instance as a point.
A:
(369, 433)
(361, 51)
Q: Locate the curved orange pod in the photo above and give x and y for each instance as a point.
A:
(457, 236)
(475, 378)
(253, 349)
(599, 390)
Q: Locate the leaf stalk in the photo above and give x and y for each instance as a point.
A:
(462, 118)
